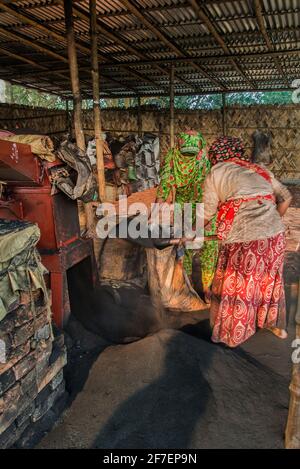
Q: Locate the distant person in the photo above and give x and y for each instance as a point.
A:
(248, 289)
(262, 155)
(262, 144)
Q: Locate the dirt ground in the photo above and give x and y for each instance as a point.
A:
(175, 389)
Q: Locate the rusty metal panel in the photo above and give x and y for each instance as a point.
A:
(65, 212)
(18, 166)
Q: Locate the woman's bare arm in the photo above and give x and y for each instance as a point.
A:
(283, 206)
(283, 195)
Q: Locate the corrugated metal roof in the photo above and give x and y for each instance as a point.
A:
(213, 45)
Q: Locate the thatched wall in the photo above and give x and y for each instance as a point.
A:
(126, 121)
(282, 121)
(48, 121)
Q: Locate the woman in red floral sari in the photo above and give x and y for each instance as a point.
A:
(248, 290)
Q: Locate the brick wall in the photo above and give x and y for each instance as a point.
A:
(31, 379)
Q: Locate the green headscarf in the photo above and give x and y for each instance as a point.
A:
(184, 170)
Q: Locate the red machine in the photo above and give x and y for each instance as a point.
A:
(29, 195)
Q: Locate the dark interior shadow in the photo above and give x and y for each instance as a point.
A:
(201, 330)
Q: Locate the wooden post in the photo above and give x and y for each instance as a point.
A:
(139, 117)
(72, 55)
(172, 136)
(67, 116)
(224, 123)
(73, 65)
(96, 100)
(292, 432)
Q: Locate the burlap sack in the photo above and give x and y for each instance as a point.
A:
(169, 283)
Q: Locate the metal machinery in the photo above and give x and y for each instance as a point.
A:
(27, 194)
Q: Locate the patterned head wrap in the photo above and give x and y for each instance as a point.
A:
(225, 148)
(190, 142)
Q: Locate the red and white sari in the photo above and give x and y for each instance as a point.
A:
(248, 290)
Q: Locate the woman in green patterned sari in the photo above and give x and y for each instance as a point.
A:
(183, 172)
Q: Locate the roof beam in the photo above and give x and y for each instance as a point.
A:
(33, 44)
(263, 30)
(59, 37)
(37, 87)
(143, 19)
(22, 59)
(204, 93)
(45, 29)
(80, 13)
(112, 37)
(164, 39)
(218, 38)
(62, 73)
(207, 58)
(30, 62)
(117, 39)
(147, 9)
(44, 50)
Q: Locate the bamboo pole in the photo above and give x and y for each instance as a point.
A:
(224, 123)
(96, 100)
(73, 65)
(139, 117)
(292, 433)
(68, 118)
(172, 136)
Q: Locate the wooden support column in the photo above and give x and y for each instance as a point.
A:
(224, 116)
(139, 117)
(96, 100)
(292, 432)
(67, 116)
(73, 65)
(172, 135)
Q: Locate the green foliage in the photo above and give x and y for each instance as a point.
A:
(214, 101)
(249, 99)
(17, 94)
